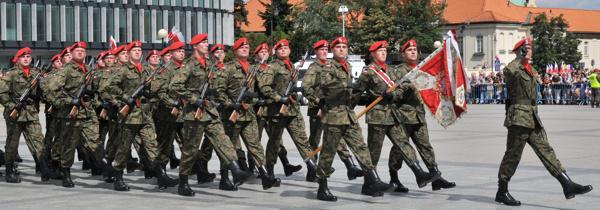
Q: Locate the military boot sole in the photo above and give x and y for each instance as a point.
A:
(586, 189)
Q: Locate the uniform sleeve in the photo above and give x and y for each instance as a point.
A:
(310, 85)
(113, 86)
(163, 87)
(264, 84)
(5, 98)
(178, 87)
(220, 85)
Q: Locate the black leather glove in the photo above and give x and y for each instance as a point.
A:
(130, 101)
(199, 103)
(284, 100)
(20, 106)
(105, 105)
(387, 95)
(261, 102)
(76, 102)
(249, 95)
(237, 106)
(175, 103)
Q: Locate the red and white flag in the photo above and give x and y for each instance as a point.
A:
(112, 43)
(175, 35)
(442, 82)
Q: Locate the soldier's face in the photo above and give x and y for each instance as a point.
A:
(154, 60)
(109, 60)
(322, 53)
(380, 54)
(67, 57)
(135, 54)
(24, 60)
(167, 57)
(178, 55)
(243, 51)
(263, 54)
(283, 52)
(123, 57)
(101, 63)
(410, 55)
(57, 64)
(202, 47)
(220, 55)
(79, 54)
(340, 51)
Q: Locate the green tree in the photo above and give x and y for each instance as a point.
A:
(276, 16)
(240, 15)
(553, 43)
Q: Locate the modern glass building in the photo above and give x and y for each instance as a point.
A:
(47, 26)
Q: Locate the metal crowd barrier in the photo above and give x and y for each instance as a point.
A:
(573, 94)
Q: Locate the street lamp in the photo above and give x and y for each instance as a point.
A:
(343, 9)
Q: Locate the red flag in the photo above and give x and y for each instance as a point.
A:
(113, 43)
(175, 35)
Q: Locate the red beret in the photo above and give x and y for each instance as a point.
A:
(217, 47)
(133, 44)
(526, 41)
(21, 52)
(176, 46)
(55, 57)
(260, 47)
(101, 55)
(164, 51)
(151, 53)
(380, 44)
(198, 38)
(240, 42)
(79, 45)
(281, 43)
(409, 43)
(118, 50)
(320, 43)
(339, 40)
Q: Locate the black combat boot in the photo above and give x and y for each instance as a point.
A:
(270, 171)
(570, 188)
(242, 162)
(396, 182)
(202, 173)
(441, 183)
(46, 172)
(239, 176)
(225, 183)
(352, 170)
(252, 165)
(288, 168)
(268, 181)
(119, 184)
(323, 192)
(107, 177)
(311, 174)
(162, 178)
(173, 160)
(423, 178)
(503, 196)
(184, 188)
(132, 163)
(66, 181)
(55, 167)
(11, 174)
(373, 185)
(18, 159)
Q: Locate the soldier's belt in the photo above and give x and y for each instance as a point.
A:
(530, 102)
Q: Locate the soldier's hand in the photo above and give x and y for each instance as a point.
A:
(199, 103)
(76, 102)
(130, 101)
(175, 103)
(249, 95)
(237, 106)
(387, 95)
(284, 100)
(20, 106)
(261, 102)
(105, 105)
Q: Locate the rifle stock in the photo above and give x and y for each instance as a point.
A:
(74, 111)
(103, 114)
(124, 111)
(235, 114)
(198, 114)
(14, 114)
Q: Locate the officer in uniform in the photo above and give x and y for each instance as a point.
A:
(340, 122)
(311, 82)
(200, 116)
(525, 126)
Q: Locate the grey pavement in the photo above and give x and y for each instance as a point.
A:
(468, 153)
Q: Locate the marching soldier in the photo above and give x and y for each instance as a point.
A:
(282, 111)
(190, 85)
(410, 108)
(230, 85)
(384, 119)
(51, 137)
(136, 118)
(525, 126)
(311, 84)
(21, 116)
(339, 122)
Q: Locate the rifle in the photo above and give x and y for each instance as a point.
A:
(204, 88)
(291, 84)
(249, 81)
(138, 91)
(23, 99)
(80, 92)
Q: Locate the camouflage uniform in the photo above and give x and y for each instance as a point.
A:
(186, 86)
(113, 126)
(524, 124)
(52, 138)
(168, 127)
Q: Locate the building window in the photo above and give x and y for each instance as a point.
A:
(201, 3)
(41, 22)
(70, 24)
(97, 25)
(178, 3)
(83, 24)
(585, 49)
(194, 23)
(159, 20)
(182, 25)
(11, 21)
(171, 15)
(123, 25)
(26, 22)
(479, 45)
(110, 22)
(190, 3)
(56, 23)
(148, 26)
(135, 16)
(205, 22)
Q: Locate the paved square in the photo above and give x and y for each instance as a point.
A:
(468, 153)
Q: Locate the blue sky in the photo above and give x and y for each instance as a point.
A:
(576, 4)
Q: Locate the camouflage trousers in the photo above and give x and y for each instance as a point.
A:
(515, 142)
(31, 130)
(295, 127)
(143, 137)
(112, 141)
(314, 138)
(192, 133)
(167, 133)
(50, 136)
(397, 136)
(333, 134)
(248, 131)
(420, 138)
(78, 131)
